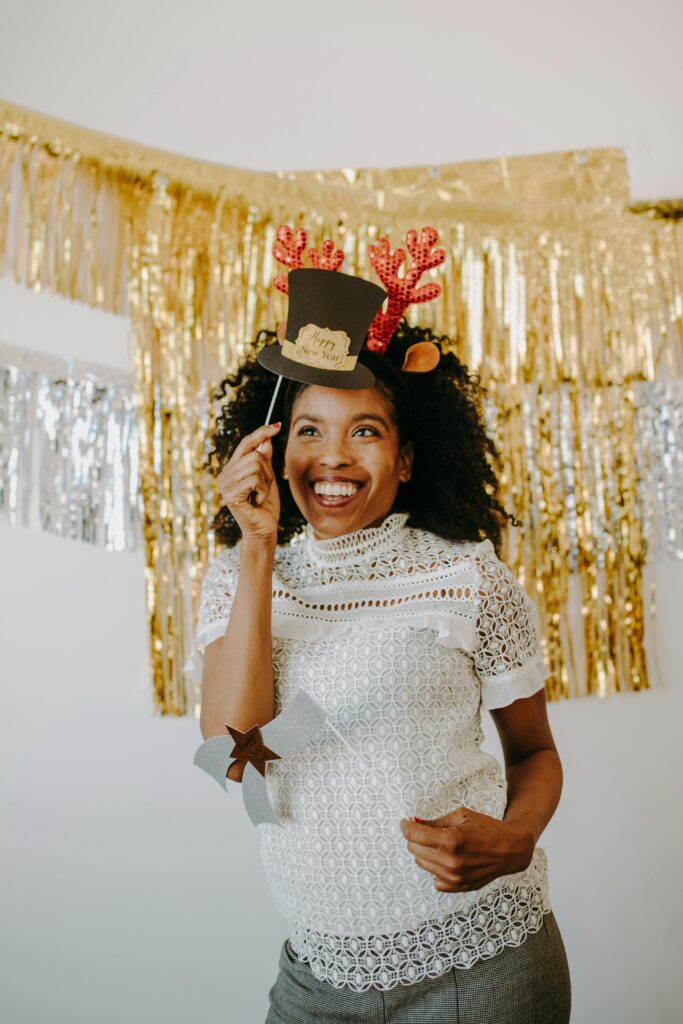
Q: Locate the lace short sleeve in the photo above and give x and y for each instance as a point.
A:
(218, 590)
(507, 653)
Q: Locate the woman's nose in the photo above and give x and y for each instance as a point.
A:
(335, 452)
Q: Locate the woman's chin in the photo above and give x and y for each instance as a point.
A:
(341, 516)
(333, 521)
(335, 524)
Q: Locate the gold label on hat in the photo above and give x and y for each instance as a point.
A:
(320, 347)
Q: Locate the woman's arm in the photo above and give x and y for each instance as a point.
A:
(532, 766)
(237, 678)
(465, 849)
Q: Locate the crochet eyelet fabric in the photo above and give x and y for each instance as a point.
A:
(402, 637)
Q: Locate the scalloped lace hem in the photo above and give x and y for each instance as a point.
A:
(497, 692)
(504, 918)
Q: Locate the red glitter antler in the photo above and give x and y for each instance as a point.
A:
(402, 291)
(329, 259)
(288, 249)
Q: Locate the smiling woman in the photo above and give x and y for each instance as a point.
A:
(422, 445)
(365, 572)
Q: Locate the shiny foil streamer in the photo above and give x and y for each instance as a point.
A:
(563, 296)
(659, 455)
(69, 449)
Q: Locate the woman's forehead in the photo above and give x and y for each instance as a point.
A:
(338, 404)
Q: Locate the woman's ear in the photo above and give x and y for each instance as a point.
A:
(406, 460)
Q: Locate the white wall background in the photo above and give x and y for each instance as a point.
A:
(131, 887)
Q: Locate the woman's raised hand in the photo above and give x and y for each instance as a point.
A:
(248, 469)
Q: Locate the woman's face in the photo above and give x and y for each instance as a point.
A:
(344, 440)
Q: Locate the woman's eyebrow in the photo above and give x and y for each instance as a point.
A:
(354, 419)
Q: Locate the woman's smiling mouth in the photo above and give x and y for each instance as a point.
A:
(335, 493)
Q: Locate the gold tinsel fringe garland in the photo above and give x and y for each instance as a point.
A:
(550, 279)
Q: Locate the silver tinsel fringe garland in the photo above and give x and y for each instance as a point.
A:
(69, 448)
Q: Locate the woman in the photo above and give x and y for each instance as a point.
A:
(364, 568)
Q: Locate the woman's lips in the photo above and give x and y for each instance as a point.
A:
(339, 501)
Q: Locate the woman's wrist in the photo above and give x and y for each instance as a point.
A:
(522, 841)
(257, 547)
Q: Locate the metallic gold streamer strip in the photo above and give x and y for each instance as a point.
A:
(575, 176)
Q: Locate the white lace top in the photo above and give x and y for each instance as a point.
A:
(401, 637)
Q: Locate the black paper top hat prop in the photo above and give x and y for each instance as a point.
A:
(330, 314)
(328, 318)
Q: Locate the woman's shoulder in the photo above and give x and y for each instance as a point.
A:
(491, 573)
(224, 555)
(222, 565)
(420, 541)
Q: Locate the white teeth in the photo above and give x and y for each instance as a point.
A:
(335, 489)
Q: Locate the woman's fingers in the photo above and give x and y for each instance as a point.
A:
(454, 881)
(253, 440)
(247, 482)
(236, 770)
(242, 488)
(236, 468)
(433, 869)
(258, 478)
(253, 470)
(428, 853)
(437, 867)
(252, 463)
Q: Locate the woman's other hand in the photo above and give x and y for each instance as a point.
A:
(249, 469)
(466, 850)
(236, 770)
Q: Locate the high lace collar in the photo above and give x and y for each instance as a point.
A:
(357, 545)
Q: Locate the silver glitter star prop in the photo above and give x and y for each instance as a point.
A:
(287, 734)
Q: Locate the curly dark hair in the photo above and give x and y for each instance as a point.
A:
(454, 487)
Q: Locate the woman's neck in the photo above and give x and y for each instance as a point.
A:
(331, 536)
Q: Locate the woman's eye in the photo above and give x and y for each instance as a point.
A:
(371, 429)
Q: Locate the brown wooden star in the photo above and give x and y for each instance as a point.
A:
(250, 745)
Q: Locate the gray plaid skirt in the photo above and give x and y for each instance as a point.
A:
(527, 984)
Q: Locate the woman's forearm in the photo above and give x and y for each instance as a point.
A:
(534, 788)
(237, 687)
